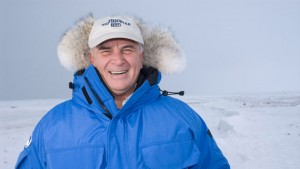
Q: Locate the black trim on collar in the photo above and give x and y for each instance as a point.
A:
(104, 84)
(86, 95)
(147, 73)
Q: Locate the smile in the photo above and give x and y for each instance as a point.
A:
(118, 73)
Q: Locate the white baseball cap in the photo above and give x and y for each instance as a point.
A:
(114, 27)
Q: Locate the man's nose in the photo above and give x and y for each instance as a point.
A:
(118, 57)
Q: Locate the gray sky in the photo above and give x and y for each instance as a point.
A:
(232, 46)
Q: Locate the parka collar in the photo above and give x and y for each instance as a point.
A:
(89, 88)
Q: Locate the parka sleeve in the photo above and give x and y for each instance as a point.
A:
(33, 154)
(24, 161)
(211, 156)
(214, 158)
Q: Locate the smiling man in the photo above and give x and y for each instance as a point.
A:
(119, 62)
(117, 117)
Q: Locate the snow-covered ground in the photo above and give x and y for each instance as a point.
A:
(254, 131)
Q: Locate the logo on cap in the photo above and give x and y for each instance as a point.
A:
(116, 23)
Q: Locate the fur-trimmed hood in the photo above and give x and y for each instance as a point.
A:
(161, 50)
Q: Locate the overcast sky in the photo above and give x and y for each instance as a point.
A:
(232, 46)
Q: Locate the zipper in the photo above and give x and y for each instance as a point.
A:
(108, 146)
(106, 111)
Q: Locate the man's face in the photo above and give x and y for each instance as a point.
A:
(119, 62)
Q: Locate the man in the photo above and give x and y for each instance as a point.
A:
(117, 117)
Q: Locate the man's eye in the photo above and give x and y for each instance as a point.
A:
(128, 50)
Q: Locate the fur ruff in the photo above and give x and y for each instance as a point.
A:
(161, 50)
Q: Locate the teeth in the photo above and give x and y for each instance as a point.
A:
(118, 73)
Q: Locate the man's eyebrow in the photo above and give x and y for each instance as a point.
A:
(102, 47)
(128, 46)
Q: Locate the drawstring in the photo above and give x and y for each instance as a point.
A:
(71, 85)
(166, 93)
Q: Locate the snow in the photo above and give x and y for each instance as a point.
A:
(253, 130)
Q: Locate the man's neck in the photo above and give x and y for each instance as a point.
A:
(121, 100)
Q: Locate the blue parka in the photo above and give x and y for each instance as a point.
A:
(150, 131)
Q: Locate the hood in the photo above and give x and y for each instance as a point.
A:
(161, 50)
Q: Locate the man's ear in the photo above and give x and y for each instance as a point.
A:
(142, 59)
(142, 56)
(91, 58)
